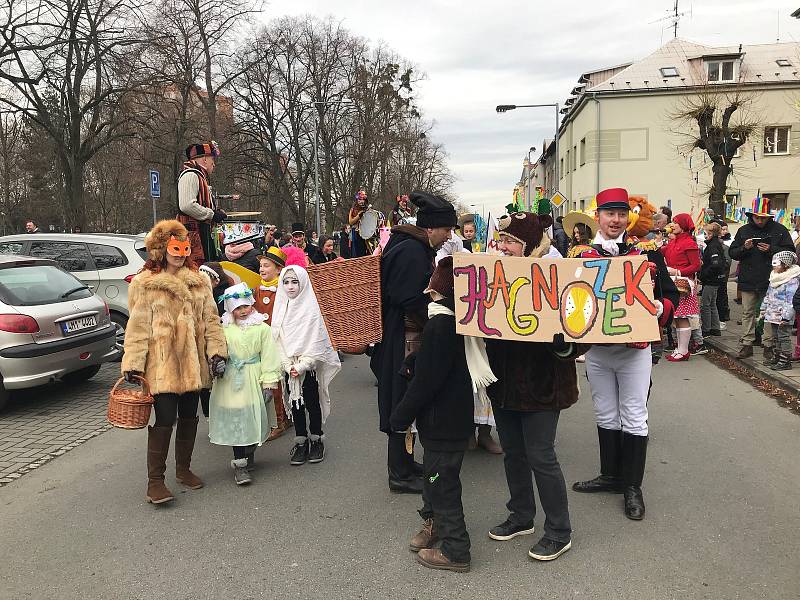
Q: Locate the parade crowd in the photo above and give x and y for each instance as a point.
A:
(260, 361)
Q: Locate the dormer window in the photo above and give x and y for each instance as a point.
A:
(783, 62)
(721, 71)
(669, 71)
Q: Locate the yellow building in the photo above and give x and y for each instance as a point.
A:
(619, 131)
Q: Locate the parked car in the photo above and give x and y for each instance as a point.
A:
(52, 327)
(106, 263)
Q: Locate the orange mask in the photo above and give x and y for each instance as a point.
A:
(176, 247)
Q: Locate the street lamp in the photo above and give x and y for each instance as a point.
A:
(504, 108)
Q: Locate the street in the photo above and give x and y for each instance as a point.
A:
(720, 488)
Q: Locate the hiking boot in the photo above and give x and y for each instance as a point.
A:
(434, 559)
(508, 530)
(425, 538)
(299, 454)
(240, 473)
(745, 351)
(316, 452)
(547, 549)
(601, 483)
(486, 441)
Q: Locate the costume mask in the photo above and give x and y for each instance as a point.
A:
(176, 247)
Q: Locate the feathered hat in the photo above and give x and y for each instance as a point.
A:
(157, 239)
(295, 256)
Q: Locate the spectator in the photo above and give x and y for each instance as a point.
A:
(713, 274)
(754, 246)
(667, 212)
(560, 237)
(777, 309)
(325, 252)
(344, 241)
(30, 227)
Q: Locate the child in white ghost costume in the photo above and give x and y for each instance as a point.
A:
(241, 408)
(308, 359)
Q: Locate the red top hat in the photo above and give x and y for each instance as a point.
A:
(613, 198)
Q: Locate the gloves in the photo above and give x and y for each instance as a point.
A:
(217, 365)
(219, 215)
(267, 393)
(132, 376)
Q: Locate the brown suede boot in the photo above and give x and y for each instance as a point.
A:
(425, 538)
(486, 441)
(157, 449)
(185, 433)
(434, 559)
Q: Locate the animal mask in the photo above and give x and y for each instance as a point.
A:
(640, 217)
(176, 247)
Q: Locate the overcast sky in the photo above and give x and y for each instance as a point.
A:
(476, 55)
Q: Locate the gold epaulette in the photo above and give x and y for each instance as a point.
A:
(647, 245)
(576, 251)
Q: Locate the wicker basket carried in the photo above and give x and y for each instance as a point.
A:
(130, 409)
(349, 295)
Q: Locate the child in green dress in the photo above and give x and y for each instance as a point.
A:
(242, 411)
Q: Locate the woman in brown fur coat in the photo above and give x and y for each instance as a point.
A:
(173, 335)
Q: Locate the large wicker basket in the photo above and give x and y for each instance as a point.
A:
(130, 408)
(349, 295)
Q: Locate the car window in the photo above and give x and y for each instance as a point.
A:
(72, 256)
(107, 257)
(39, 284)
(11, 248)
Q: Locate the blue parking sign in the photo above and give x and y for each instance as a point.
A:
(155, 184)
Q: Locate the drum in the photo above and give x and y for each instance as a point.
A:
(236, 231)
(368, 226)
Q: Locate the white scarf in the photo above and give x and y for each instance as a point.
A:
(610, 246)
(299, 330)
(477, 361)
(254, 318)
(778, 279)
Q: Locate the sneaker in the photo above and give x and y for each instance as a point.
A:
(508, 531)
(316, 453)
(723, 325)
(698, 350)
(546, 549)
(299, 454)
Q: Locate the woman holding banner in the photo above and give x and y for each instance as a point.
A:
(619, 374)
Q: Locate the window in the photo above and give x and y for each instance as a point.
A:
(776, 140)
(669, 71)
(568, 161)
(583, 151)
(783, 62)
(11, 248)
(574, 157)
(71, 256)
(720, 71)
(39, 284)
(777, 201)
(107, 257)
(561, 169)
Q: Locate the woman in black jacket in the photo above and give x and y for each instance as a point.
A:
(324, 253)
(713, 274)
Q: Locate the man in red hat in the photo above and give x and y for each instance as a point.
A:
(619, 374)
(196, 207)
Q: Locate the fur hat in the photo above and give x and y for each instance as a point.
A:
(785, 257)
(526, 228)
(433, 211)
(442, 278)
(157, 239)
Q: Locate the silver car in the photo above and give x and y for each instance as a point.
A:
(104, 262)
(52, 327)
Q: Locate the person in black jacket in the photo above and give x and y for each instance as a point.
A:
(439, 397)
(324, 252)
(560, 237)
(753, 247)
(713, 274)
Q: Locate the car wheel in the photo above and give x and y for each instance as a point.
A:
(120, 323)
(80, 376)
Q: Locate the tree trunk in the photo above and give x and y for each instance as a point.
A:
(716, 196)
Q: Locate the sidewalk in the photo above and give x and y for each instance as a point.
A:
(729, 344)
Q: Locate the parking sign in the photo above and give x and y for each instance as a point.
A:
(155, 184)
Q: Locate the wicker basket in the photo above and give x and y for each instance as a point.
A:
(349, 295)
(130, 409)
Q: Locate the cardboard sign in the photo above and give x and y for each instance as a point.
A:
(592, 300)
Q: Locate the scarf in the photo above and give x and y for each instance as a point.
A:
(299, 330)
(204, 191)
(477, 360)
(236, 251)
(272, 283)
(610, 246)
(778, 279)
(254, 318)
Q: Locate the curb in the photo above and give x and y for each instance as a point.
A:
(754, 367)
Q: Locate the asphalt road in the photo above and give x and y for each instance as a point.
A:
(721, 492)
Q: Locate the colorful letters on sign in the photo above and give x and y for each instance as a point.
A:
(598, 300)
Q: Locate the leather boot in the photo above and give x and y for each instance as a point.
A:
(425, 538)
(185, 434)
(609, 480)
(280, 412)
(402, 479)
(486, 441)
(434, 559)
(157, 449)
(634, 457)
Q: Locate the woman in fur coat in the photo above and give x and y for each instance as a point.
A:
(173, 336)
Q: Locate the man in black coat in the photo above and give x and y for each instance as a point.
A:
(560, 237)
(753, 247)
(406, 268)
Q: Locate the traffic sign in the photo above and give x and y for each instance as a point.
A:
(155, 184)
(557, 199)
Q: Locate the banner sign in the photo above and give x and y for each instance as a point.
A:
(593, 300)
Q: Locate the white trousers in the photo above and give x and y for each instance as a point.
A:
(619, 378)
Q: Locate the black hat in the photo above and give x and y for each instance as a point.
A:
(298, 228)
(433, 211)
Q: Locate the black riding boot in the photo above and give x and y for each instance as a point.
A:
(634, 457)
(402, 478)
(610, 479)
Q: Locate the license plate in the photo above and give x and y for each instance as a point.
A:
(79, 324)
